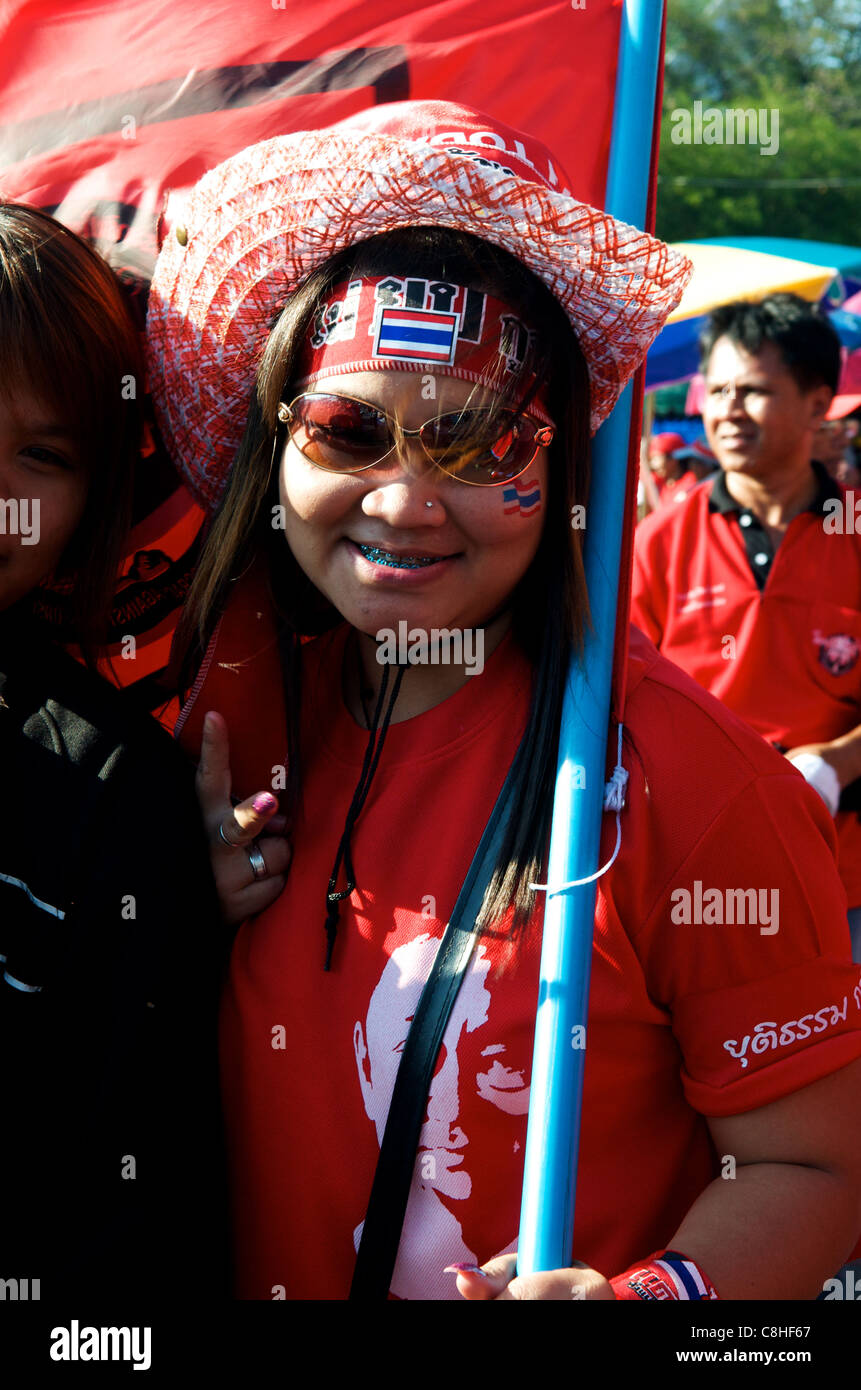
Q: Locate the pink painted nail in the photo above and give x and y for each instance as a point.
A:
(264, 802)
(465, 1269)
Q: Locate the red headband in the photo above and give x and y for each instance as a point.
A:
(389, 323)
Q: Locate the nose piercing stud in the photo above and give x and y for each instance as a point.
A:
(428, 504)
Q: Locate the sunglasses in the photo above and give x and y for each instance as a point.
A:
(481, 447)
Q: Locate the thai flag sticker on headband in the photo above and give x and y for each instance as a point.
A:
(408, 323)
(416, 335)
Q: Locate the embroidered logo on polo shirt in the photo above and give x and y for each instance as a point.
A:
(703, 596)
(838, 653)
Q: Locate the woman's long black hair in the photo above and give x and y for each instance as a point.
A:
(550, 605)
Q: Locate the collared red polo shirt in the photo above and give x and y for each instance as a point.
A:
(774, 635)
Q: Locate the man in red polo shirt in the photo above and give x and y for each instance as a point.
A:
(753, 583)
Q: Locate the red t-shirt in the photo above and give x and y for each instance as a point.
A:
(785, 656)
(686, 1019)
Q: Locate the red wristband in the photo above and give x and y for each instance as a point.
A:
(664, 1277)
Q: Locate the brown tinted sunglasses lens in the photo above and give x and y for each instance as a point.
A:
(483, 447)
(339, 433)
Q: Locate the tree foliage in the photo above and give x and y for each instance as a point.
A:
(798, 58)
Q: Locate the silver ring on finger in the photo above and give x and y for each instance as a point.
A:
(224, 839)
(256, 860)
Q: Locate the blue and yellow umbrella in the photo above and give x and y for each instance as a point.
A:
(751, 268)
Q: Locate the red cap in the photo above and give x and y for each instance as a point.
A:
(666, 443)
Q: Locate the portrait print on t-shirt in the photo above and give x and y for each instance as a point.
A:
(476, 1113)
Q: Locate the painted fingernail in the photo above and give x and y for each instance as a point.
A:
(264, 802)
(465, 1269)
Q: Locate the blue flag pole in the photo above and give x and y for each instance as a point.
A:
(553, 1134)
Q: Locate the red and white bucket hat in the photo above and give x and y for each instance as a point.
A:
(254, 227)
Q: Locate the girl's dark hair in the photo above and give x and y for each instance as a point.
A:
(802, 335)
(550, 606)
(67, 338)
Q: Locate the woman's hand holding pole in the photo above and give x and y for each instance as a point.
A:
(499, 1280)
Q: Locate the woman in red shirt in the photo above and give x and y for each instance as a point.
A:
(378, 352)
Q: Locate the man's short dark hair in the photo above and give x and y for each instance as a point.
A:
(805, 339)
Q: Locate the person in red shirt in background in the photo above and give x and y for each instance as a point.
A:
(832, 442)
(674, 470)
(699, 462)
(753, 584)
(696, 462)
(662, 460)
(662, 470)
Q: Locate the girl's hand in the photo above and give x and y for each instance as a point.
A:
(240, 891)
(497, 1280)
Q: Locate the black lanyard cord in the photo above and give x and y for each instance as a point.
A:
(376, 739)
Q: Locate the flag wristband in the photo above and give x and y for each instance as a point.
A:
(665, 1277)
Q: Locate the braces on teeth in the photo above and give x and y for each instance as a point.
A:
(400, 562)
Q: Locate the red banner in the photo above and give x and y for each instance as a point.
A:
(106, 107)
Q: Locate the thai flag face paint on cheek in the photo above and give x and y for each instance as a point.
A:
(522, 497)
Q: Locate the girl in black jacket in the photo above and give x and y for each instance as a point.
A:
(108, 963)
